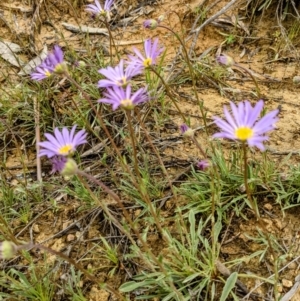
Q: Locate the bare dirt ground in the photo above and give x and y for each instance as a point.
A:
(254, 48)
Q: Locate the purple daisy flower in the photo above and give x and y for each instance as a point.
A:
(117, 76)
(56, 59)
(53, 63)
(62, 143)
(42, 71)
(97, 9)
(242, 125)
(152, 51)
(117, 96)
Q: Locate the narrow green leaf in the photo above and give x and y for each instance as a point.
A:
(191, 277)
(229, 285)
(130, 286)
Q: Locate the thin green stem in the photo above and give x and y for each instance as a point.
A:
(111, 43)
(213, 232)
(163, 169)
(168, 91)
(249, 196)
(191, 70)
(259, 220)
(81, 175)
(199, 147)
(132, 137)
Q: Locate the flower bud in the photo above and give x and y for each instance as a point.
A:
(61, 68)
(202, 165)
(296, 80)
(160, 18)
(80, 64)
(7, 249)
(225, 60)
(65, 166)
(150, 24)
(186, 131)
(70, 168)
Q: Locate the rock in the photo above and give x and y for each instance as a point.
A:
(70, 237)
(292, 266)
(98, 294)
(268, 207)
(36, 228)
(268, 225)
(79, 236)
(278, 224)
(287, 283)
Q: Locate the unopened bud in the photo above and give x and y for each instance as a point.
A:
(203, 164)
(65, 166)
(296, 80)
(225, 60)
(150, 24)
(61, 68)
(160, 18)
(80, 64)
(7, 249)
(186, 131)
(70, 168)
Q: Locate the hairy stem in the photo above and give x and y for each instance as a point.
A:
(191, 71)
(132, 137)
(261, 223)
(168, 91)
(111, 43)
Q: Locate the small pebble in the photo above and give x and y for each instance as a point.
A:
(36, 228)
(287, 283)
(292, 266)
(268, 207)
(71, 237)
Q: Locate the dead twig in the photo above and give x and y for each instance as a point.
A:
(85, 29)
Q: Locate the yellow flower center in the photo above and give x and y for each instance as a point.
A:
(127, 104)
(243, 133)
(122, 81)
(65, 150)
(147, 62)
(47, 73)
(60, 68)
